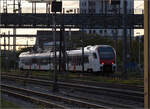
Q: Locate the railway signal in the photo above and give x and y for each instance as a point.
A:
(56, 6)
(114, 2)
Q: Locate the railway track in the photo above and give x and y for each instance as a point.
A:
(110, 85)
(88, 99)
(91, 83)
(50, 100)
(118, 93)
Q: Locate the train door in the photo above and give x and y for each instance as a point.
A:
(95, 62)
(92, 62)
(34, 63)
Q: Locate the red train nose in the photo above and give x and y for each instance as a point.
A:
(107, 62)
(102, 62)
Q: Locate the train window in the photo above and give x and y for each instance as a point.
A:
(106, 49)
(22, 60)
(27, 62)
(100, 31)
(78, 60)
(44, 61)
(106, 53)
(74, 59)
(94, 55)
(49, 59)
(34, 60)
(70, 59)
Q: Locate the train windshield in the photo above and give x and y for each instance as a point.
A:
(106, 53)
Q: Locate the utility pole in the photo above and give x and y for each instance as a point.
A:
(14, 29)
(116, 36)
(4, 6)
(8, 41)
(34, 7)
(139, 52)
(130, 46)
(4, 43)
(14, 3)
(82, 40)
(19, 7)
(124, 73)
(63, 49)
(60, 50)
(0, 54)
(115, 3)
(56, 7)
(0, 42)
(55, 85)
(116, 46)
(48, 7)
(8, 48)
(5, 54)
(146, 54)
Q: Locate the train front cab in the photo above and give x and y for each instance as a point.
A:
(107, 59)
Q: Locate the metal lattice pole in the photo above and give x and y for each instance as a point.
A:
(124, 74)
(55, 85)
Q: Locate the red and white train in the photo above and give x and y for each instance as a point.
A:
(98, 58)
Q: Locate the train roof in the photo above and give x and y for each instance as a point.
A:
(37, 55)
(31, 54)
(87, 49)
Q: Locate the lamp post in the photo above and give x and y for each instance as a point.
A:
(139, 40)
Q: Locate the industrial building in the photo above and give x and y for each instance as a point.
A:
(104, 7)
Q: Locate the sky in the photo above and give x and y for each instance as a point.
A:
(67, 4)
